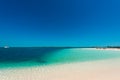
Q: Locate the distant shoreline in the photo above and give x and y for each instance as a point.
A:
(97, 47)
(115, 49)
(112, 48)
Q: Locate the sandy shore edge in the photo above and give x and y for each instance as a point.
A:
(110, 49)
(93, 70)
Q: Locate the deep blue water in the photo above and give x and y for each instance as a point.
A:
(25, 56)
(21, 54)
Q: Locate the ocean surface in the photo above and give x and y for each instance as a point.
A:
(16, 57)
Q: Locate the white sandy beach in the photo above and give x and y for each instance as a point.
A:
(109, 49)
(93, 70)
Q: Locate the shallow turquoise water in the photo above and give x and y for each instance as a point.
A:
(27, 57)
(81, 55)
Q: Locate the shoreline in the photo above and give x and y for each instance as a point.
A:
(95, 48)
(95, 70)
(113, 49)
(75, 58)
(103, 69)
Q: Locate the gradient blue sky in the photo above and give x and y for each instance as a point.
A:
(59, 22)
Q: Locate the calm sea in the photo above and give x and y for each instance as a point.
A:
(39, 56)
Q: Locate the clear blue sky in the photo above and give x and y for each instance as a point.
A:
(59, 22)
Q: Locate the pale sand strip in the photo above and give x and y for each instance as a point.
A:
(109, 49)
(112, 49)
(94, 70)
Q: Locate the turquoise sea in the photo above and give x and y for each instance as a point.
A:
(16, 57)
